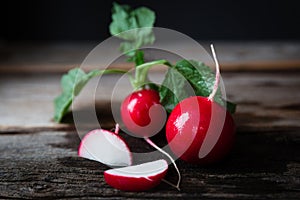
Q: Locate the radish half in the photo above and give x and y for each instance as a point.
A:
(105, 147)
(138, 177)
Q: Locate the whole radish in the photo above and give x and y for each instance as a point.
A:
(199, 130)
(142, 113)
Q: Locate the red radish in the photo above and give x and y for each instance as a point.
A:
(138, 177)
(142, 113)
(199, 130)
(105, 147)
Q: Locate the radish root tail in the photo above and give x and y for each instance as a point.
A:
(172, 160)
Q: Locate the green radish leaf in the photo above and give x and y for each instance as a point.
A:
(126, 24)
(189, 72)
(171, 91)
(71, 84)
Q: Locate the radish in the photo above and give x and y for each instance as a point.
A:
(138, 177)
(105, 147)
(142, 113)
(199, 130)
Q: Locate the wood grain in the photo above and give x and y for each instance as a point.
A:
(264, 99)
(263, 164)
(233, 56)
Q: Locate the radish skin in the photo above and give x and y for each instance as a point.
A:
(138, 177)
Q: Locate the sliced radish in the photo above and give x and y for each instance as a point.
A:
(138, 177)
(105, 147)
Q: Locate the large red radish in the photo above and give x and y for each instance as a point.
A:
(105, 147)
(137, 177)
(199, 130)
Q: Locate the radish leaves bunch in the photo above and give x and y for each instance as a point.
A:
(140, 22)
(124, 19)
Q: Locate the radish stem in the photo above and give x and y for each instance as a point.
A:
(141, 73)
(117, 129)
(217, 80)
(172, 160)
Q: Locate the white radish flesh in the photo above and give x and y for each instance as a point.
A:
(138, 177)
(105, 147)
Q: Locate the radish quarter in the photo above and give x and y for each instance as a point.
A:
(138, 177)
(105, 147)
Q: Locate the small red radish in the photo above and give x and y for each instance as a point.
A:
(199, 130)
(142, 113)
(138, 177)
(105, 147)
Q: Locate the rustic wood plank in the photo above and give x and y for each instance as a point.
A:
(263, 164)
(264, 99)
(233, 56)
(27, 101)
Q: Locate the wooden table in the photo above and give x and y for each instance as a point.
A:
(39, 157)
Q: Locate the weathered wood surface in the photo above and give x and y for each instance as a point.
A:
(27, 100)
(38, 157)
(264, 99)
(60, 57)
(264, 164)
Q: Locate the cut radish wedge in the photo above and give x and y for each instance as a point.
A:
(105, 147)
(138, 177)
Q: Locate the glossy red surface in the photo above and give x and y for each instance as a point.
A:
(133, 184)
(142, 113)
(195, 121)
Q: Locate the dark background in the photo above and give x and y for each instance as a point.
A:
(71, 20)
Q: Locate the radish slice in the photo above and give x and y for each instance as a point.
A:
(138, 177)
(105, 147)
